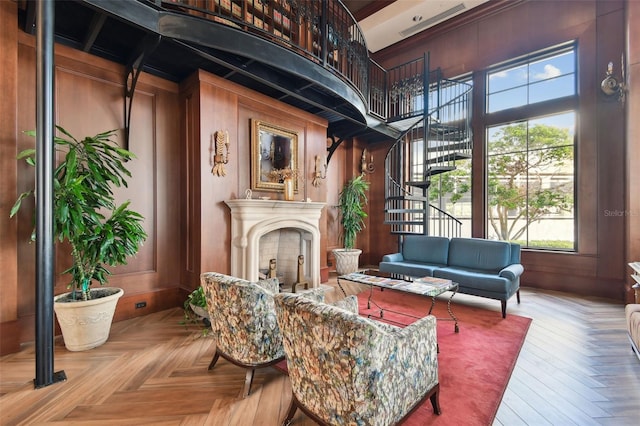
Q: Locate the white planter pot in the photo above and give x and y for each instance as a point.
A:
(346, 260)
(86, 324)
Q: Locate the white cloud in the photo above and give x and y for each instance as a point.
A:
(549, 72)
(500, 74)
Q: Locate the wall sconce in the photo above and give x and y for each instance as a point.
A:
(221, 152)
(366, 166)
(320, 171)
(611, 86)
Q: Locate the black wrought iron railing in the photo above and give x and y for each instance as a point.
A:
(323, 31)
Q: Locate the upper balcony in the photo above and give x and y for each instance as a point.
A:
(307, 53)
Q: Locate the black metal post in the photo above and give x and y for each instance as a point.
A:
(45, 251)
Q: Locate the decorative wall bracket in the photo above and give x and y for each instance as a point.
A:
(134, 68)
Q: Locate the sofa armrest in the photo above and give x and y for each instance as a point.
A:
(395, 257)
(512, 271)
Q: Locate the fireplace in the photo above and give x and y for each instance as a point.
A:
(266, 229)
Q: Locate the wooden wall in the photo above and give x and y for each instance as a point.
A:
(88, 100)
(506, 30)
(210, 104)
(633, 140)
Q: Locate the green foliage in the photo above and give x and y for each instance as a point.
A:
(196, 298)
(99, 232)
(351, 202)
(456, 183)
(519, 158)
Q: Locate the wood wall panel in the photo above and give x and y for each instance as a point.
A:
(633, 142)
(8, 165)
(89, 99)
(222, 105)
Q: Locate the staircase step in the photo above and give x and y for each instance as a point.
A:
(446, 158)
(419, 184)
(404, 222)
(406, 233)
(407, 198)
(402, 211)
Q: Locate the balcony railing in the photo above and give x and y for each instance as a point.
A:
(323, 31)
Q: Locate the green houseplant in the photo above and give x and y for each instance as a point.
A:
(99, 232)
(351, 202)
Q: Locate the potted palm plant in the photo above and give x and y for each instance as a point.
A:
(351, 202)
(99, 232)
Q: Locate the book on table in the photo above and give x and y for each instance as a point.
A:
(427, 285)
(434, 281)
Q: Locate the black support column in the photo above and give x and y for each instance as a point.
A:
(45, 251)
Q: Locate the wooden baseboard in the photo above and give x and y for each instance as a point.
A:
(15, 333)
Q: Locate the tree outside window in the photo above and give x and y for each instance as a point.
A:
(530, 182)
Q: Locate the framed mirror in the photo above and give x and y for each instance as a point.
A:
(274, 153)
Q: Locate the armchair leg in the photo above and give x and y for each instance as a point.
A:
(293, 406)
(518, 296)
(435, 400)
(214, 360)
(504, 308)
(248, 379)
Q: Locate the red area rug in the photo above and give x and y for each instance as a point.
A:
(474, 365)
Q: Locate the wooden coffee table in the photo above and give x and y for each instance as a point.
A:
(427, 287)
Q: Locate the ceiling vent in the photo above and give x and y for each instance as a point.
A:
(433, 20)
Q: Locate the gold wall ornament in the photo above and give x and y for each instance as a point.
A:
(320, 170)
(221, 154)
(366, 166)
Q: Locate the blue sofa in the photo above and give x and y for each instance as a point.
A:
(481, 267)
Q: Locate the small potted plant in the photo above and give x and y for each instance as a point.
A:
(99, 232)
(351, 202)
(196, 311)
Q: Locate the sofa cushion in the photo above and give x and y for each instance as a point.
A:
(410, 269)
(479, 254)
(475, 279)
(426, 249)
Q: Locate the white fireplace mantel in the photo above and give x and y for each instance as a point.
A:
(251, 219)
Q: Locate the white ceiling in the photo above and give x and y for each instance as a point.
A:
(396, 21)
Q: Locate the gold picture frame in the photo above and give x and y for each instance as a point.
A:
(273, 149)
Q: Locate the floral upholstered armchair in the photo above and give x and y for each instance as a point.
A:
(243, 321)
(349, 370)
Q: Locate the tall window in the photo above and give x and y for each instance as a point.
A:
(530, 145)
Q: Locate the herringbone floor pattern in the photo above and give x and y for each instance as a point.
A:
(576, 368)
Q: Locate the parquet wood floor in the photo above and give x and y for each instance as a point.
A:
(575, 368)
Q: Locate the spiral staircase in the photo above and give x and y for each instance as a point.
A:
(436, 114)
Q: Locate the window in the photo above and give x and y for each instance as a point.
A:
(536, 80)
(530, 169)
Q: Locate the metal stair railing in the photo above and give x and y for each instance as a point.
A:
(443, 224)
(431, 145)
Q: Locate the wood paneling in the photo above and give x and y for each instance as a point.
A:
(89, 99)
(213, 104)
(8, 164)
(632, 218)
